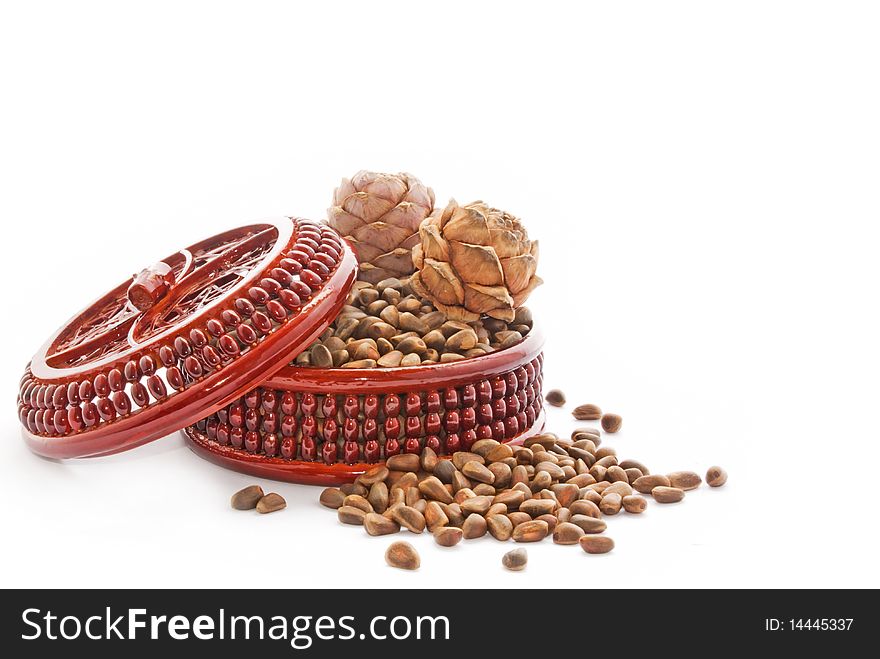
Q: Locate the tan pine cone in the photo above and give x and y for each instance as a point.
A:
(475, 260)
(380, 214)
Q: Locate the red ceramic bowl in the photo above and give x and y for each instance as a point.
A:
(327, 426)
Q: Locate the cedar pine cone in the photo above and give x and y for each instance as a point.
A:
(475, 260)
(380, 214)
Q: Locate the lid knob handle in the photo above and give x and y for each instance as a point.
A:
(150, 285)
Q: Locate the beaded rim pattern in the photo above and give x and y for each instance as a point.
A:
(242, 304)
(326, 426)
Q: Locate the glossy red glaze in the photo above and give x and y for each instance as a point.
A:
(348, 420)
(207, 330)
(297, 471)
(150, 286)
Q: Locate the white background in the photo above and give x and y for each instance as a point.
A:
(703, 178)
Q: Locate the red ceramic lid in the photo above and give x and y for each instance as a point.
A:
(184, 337)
